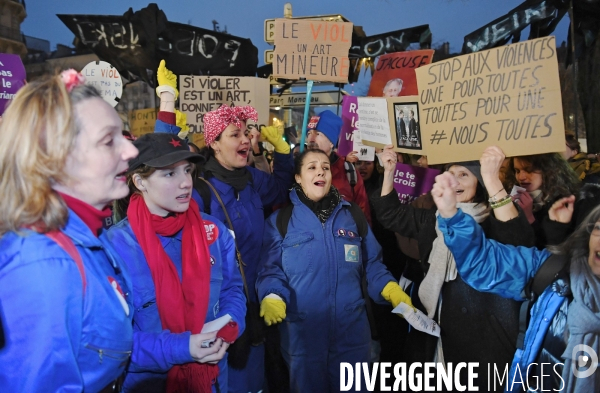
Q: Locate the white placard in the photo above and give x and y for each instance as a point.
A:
(365, 153)
(373, 121)
(106, 79)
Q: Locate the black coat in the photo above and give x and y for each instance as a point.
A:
(476, 327)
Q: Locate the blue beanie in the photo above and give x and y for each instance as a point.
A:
(329, 124)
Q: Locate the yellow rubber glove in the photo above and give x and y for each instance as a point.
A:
(273, 310)
(271, 135)
(181, 122)
(167, 80)
(395, 295)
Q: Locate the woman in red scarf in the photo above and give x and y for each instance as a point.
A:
(185, 274)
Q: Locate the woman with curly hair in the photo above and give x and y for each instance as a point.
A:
(546, 178)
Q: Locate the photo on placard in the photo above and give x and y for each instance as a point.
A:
(408, 131)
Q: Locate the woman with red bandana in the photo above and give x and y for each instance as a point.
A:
(244, 194)
(185, 274)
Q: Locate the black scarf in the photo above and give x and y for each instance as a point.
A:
(323, 208)
(237, 178)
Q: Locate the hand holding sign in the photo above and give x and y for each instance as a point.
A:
(389, 159)
(491, 161)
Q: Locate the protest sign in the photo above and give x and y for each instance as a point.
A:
(398, 124)
(350, 136)
(312, 49)
(508, 96)
(411, 182)
(106, 79)
(202, 94)
(395, 73)
(12, 75)
(142, 121)
(374, 124)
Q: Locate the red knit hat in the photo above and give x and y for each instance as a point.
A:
(215, 122)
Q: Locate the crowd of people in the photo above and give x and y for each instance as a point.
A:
(227, 274)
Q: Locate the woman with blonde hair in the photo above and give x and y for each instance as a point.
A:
(66, 311)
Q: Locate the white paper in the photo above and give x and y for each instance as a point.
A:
(417, 319)
(365, 153)
(216, 324)
(374, 123)
(516, 189)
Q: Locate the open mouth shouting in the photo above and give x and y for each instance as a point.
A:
(320, 183)
(243, 153)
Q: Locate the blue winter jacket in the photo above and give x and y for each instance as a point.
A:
(317, 270)
(246, 210)
(59, 338)
(489, 266)
(156, 350)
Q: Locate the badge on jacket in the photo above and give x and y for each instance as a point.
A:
(351, 251)
(120, 295)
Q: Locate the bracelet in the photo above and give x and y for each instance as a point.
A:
(493, 198)
(500, 190)
(502, 202)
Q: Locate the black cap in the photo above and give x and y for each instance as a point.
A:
(161, 149)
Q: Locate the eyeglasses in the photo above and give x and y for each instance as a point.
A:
(594, 229)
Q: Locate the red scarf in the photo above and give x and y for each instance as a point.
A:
(182, 305)
(91, 216)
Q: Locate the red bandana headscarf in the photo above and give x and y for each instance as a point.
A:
(182, 305)
(215, 122)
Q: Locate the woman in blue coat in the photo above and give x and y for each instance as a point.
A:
(247, 193)
(185, 274)
(564, 327)
(66, 308)
(310, 280)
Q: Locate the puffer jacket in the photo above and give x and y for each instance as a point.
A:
(492, 267)
(156, 350)
(58, 337)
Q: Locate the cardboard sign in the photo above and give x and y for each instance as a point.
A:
(106, 79)
(12, 77)
(312, 49)
(350, 136)
(395, 73)
(202, 94)
(411, 182)
(507, 96)
(142, 121)
(399, 124)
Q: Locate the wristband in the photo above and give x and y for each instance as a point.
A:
(502, 202)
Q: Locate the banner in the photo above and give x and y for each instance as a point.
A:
(12, 76)
(312, 49)
(507, 96)
(394, 121)
(410, 182)
(395, 73)
(350, 136)
(137, 41)
(500, 30)
(202, 94)
(142, 121)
